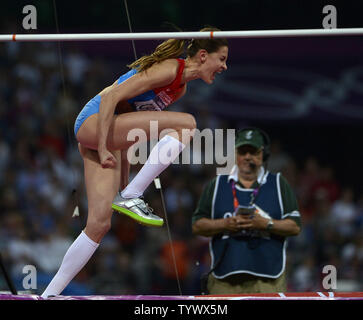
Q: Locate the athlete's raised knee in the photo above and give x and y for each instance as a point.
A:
(190, 122)
(186, 122)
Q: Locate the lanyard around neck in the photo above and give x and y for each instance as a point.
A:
(253, 195)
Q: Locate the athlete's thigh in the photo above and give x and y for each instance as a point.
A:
(102, 184)
(145, 125)
(126, 126)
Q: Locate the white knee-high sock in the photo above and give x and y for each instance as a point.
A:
(161, 156)
(74, 260)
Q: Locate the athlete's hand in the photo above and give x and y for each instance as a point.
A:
(107, 159)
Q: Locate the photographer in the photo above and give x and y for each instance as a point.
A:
(248, 214)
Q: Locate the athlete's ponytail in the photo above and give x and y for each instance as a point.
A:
(175, 48)
(172, 48)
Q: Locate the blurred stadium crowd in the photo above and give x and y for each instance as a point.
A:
(41, 182)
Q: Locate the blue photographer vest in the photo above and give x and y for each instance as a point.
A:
(259, 256)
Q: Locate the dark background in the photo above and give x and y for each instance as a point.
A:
(326, 54)
(329, 131)
(110, 16)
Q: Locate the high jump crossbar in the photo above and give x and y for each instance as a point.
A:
(182, 35)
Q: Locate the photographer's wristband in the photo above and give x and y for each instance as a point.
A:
(270, 225)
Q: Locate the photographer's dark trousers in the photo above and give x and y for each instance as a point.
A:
(246, 283)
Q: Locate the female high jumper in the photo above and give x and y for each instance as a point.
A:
(134, 100)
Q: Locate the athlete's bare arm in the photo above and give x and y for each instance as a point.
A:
(159, 75)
